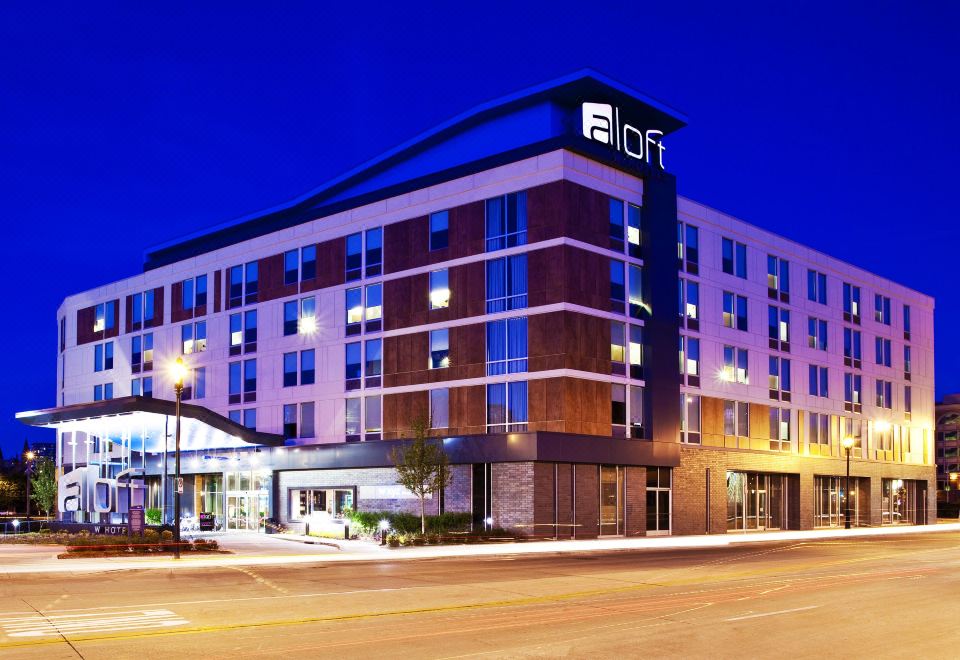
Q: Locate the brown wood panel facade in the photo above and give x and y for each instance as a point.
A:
(331, 265)
(568, 274)
(407, 243)
(406, 358)
(270, 276)
(568, 340)
(87, 318)
(177, 312)
(407, 299)
(564, 208)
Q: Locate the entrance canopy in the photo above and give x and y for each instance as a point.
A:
(143, 423)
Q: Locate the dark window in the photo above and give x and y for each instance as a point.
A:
(108, 355)
(374, 251)
(249, 376)
(439, 230)
(308, 262)
(616, 219)
(291, 263)
(236, 286)
(186, 297)
(289, 369)
(250, 330)
(439, 348)
(354, 256)
(506, 221)
(618, 291)
(290, 318)
(307, 367)
(252, 282)
(201, 296)
(353, 364)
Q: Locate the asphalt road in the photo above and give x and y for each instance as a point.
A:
(877, 597)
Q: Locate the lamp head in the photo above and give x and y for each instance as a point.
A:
(31, 455)
(954, 476)
(848, 442)
(178, 372)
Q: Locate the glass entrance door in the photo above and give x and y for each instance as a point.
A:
(756, 501)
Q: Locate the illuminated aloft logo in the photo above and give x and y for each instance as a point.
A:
(601, 122)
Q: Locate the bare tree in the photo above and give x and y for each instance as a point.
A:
(422, 467)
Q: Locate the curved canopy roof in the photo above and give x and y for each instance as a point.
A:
(145, 421)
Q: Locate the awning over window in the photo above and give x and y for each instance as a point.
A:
(143, 423)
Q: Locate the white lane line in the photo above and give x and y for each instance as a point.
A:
(66, 624)
(757, 616)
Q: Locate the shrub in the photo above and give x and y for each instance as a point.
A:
(367, 523)
(393, 541)
(153, 517)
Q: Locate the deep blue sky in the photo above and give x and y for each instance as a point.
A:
(123, 126)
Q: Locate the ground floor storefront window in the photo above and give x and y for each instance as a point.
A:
(611, 500)
(830, 501)
(756, 501)
(658, 500)
(305, 502)
(903, 502)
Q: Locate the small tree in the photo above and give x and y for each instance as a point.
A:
(44, 485)
(422, 467)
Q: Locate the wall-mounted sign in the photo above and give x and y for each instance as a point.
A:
(601, 122)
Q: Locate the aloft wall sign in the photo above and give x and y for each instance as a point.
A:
(601, 122)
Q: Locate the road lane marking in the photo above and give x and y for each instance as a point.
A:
(757, 616)
(67, 624)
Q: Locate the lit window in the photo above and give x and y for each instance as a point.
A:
(506, 346)
(507, 407)
(354, 306)
(633, 230)
(439, 289)
(439, 349)
(440, 408)
(735, 365)
(690, 418)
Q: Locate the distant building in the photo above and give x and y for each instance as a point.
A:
(597, 355)
(948, 449)
(44, 449)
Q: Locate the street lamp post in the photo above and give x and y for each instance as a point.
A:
(29, 472)
(847, 446)
(179, 373)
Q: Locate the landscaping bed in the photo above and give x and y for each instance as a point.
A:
(404, 529)
(85, 544)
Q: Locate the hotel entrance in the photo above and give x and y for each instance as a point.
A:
(757, 501)
(248, 499)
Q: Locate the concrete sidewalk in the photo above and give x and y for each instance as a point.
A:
(259, 549)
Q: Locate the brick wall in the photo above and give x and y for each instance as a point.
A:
(513, 504)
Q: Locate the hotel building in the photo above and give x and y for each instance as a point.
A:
(596, 354)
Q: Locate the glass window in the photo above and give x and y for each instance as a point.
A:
(98, 358)
(636, 411)
(851, 344)
(307, 419)
(307, 367)
(618, 408)
(636, 291)
(290, 420)
(236, 286)
(690, 418)
(98, 392)
(692, 244)
(186, 339)
(439, 348)
(236, 329)
(290, 319)
(354, 257)
(148, 305)
(819, 381)
(636, 351)
(816, 287)
(373, 416)
(778, 274)
(440, 408)
(137, 313)
(199, 336)
(234, 378)
(353, 365)
(618, 342)
(250, 328)
(250, 418)
(439, 289)
(689, 356)
(851, 301)
(439, 230)
(507, 407)
(354, 306)
(780, 429)
(779, 374)
(734, 311)
(308, 262)
(251, 282)
(235, 416)
(289, 369)
(291, 266)
(352, 417)
(374, 302)
(881, 305)
(616, 219)
(147, 384)
(186, 294)
(735, 365)
(689, 299)
(633, 230)
(506, 221)
(906, 318)
(199, 382)
(883, 350)
(249, 376)
(307, 325)
(907, 359)
(736, 419)
(201, 287)
(734, 258)
(817, 333)
(148, 350)
(617, 285)
(374, 351)
(506, 346)
(507, 283)
(374, 251)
